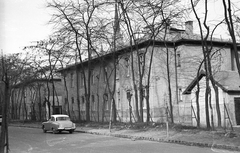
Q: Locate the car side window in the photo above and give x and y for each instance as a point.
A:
(52, 119)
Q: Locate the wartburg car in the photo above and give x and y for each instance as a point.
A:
(58, 123)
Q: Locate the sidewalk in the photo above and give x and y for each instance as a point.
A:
(218, 139)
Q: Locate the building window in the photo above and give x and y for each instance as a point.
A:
(65, 105)
(105, 98)
(117, 69)
(178, 60)
(119, 100)
(144, 95)
(93, 103)
(180, 94)
(141, 58)
(82, 80)
(72, 100)
(105, 74)
(92, 78)
(97, 77)
(72, 80)
(83, 103)
(234, 66)
(66, 101)
(127, 65)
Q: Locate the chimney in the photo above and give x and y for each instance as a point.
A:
(189, 27)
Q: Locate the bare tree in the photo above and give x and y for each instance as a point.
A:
(208, 53)
(228, 14)
(11, 68)
(86, 28)
(147, 24)
(4, 143)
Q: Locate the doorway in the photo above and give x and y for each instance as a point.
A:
(57, 110)
(237, 109)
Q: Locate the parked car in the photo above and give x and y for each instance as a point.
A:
(58, 123)
(0, 119)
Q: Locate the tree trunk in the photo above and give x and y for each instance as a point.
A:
(198, 108)
(169, 88)
(147, 104)
(228, 18)
(206, 104)
(78, 100)
(217, 106)
(211, 109)
(4, 145)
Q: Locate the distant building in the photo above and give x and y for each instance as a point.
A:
(33, 100)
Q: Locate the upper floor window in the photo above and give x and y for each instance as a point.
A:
(178, 60)
(93, 102)
(72, 80)
(105, 98)
(72, 100)
(119, 99)
(83, 103)
(141, 58)
(233, 60)
(105, 74)
(117, 69)
(127, 65)
(92, 77)
(82, 79)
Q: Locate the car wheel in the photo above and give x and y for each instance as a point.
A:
(54, 131)
(71, 131)
(44, 130)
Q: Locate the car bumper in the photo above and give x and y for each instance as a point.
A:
(66, 129)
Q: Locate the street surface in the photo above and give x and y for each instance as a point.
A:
(33, 140)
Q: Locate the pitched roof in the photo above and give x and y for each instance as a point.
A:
(228, 81)
(28, 82)
(150, 42)
(173, 38)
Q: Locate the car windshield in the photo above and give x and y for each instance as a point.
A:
(62, 119)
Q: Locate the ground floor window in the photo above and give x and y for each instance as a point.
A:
(237, 109)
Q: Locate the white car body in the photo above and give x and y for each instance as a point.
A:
(59, 123)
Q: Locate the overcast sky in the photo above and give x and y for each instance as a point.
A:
(25, 21)
(21, 22)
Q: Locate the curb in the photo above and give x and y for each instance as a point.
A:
(198, 144)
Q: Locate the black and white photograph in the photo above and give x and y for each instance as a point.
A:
(119, 76)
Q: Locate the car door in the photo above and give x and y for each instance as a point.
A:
(49, 123)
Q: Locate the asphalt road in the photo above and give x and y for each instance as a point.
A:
(32, 140)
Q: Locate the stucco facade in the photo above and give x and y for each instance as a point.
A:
(185, 58)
